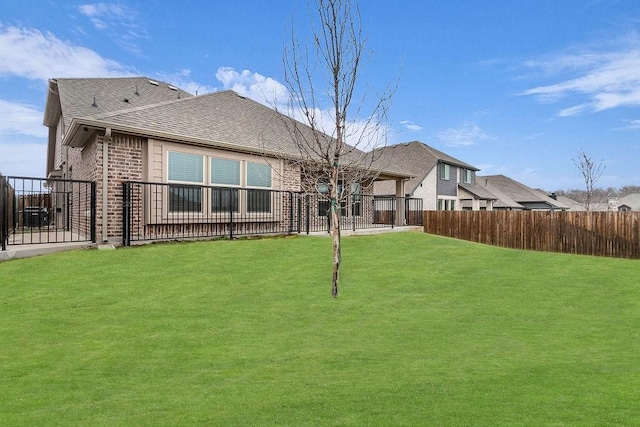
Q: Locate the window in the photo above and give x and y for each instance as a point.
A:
(234, 185)
(467, 176)
(445, 170)
(224, 200)
(225, 172)
(354, 200)
(258, 175)
(185, 168)
(446, 204)
(185, 198)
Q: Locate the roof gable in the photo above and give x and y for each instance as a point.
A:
(631, 200)
(417, 159)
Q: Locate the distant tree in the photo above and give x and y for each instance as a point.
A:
(591, 171)
(324, 70)
(628, 189)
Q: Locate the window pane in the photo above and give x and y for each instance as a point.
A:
(225, 171)
(356, 197)
(258, 175)
(183, 198)
(258, 201)
(185, 167)
(444, 171)
(224, 200)
(467, 176)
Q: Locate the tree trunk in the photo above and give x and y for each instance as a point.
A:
(335, 227)
(335, 235)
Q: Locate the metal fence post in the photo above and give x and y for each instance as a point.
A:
(93, 211)
(306, 197)
(290, 212)
(4, 213)
(126, 213)
(299, 202)
(231, 199)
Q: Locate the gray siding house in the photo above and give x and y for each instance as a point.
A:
(441, 181)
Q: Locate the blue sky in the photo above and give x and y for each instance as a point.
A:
(511, 87)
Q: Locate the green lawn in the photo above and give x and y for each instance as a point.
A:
(426, 331)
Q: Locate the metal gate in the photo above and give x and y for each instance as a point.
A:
(41, 210)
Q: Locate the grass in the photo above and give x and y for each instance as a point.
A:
(426, 331)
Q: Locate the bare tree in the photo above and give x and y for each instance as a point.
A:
(321, 74)
(591, 171)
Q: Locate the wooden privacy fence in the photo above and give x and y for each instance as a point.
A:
(612, 234)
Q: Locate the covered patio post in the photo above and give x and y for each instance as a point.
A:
(400, 202)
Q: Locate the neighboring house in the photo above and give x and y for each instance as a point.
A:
(629, 203)
(571, 204)
(600, 206)
(217, 153)
(441, 181)
(513, 195)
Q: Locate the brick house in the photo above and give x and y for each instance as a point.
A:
(218, 153)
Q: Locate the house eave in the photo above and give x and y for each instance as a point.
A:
(82, 130)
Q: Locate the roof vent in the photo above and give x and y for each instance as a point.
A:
(94, 103)
(173, 87)
(137, 93)
(153, 82)
(126, 100)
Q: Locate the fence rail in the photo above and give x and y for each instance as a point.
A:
(159, 211)
(41, 210)
(612, 234)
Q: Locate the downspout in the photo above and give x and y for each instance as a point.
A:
(105, 182)
(437, 182)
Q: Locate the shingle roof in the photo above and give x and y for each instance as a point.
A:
(220, 119)
(515, 191)
(631, 200)
(482, 193)
(417, 159)
(92, 96)
(503, 200)
(571, 204)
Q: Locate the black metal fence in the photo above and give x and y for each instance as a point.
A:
(155, 211)
(40, 210)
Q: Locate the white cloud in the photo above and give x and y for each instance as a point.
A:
(264, 90)
(21, 119)
(362, 133)
(122, 23)
(34, 55)
(631, 124)
(182, 79)
(468, 133)
(410, 125)
(103, 10)
(597, 80)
